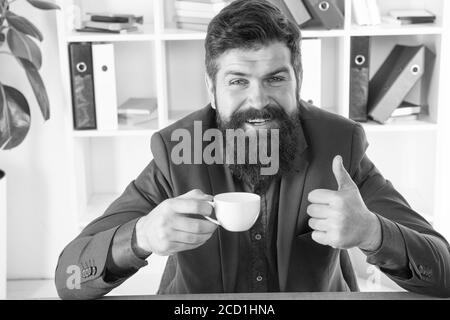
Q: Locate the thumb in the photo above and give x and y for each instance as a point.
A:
(343, 179)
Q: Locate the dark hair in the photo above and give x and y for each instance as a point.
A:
(250, 24)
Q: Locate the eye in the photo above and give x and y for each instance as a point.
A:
(238, 82)
(275, 79)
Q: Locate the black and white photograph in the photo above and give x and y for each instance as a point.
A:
(218, 150)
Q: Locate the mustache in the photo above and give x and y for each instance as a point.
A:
(269, 112)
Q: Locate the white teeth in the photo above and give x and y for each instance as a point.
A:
(257, 120)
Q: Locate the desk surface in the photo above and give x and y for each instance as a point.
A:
(285, 296)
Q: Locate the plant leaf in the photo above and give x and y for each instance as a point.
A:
(38, 87)
(15, 118)
(23, 25)
(23, 47)
(43, 5)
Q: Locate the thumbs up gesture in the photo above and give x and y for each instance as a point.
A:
(340, 218)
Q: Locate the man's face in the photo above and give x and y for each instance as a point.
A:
(252, 83)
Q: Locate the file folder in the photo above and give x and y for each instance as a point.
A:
(298, 11)
(359, 78)
(82, 85)
(327, 12)
(283, 8)
(400, 72)
(105, 86)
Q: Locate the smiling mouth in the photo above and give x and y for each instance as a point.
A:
(258, 122)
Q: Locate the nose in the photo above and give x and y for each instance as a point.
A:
(258, 97)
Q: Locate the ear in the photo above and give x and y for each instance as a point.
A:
(210, 87)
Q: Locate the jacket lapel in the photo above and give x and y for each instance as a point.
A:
(222, 181)
(291, 195)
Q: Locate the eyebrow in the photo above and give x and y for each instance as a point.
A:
(243, 74)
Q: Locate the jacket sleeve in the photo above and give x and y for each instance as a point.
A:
(89, 252)
(412, 253)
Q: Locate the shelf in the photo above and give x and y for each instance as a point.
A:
(145, 33)
(181, 34)
(321, 33)
(97, 204)
(400, 126)
(393, 30)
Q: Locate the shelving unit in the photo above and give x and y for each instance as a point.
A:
(167, 63)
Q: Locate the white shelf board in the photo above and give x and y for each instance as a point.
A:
(400, 126)
(123, 131)
(321, 33)
(181, 34)
(393, 30)
(96, 206)
(145, 33)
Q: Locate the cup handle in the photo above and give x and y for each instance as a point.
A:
(211, 219)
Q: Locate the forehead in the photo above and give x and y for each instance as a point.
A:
(262, 60)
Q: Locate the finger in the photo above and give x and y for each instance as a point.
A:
(196, 194)
(322, 196)
(320, 211)
(320, 237)
(189, 206)
(318, 224)
(193, 225)
(189, 238)
(343, 178)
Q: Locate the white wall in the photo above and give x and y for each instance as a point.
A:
(37, 169)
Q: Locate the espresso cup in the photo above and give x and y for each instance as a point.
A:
(236, 211)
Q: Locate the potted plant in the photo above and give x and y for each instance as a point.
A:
(20, 35)
(18, 38)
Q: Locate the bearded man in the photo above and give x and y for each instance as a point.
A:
(326, 197)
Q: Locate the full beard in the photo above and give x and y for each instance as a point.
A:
(288, 125)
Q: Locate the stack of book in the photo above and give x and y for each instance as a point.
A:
(196, 14)
(404, 17)
(405, 112)
(111, 23)
(138, 112)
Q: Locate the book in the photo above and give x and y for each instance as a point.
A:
(361, 12)
(401, 22)
(366, 12)
(374, 12)
(113, 26)
(406, 109)
(401, 119)
(139, 106)
(299, 11)
(359, 78)
(82, 85)
(115, 18)
(103, 65)
(99, 30)
(411, 14)
(326, 12)
(399, 73)
(138, 111)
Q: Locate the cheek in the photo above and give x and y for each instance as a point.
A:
(228, 102)
(287, 98)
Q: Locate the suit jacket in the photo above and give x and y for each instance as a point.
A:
(303, 265)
